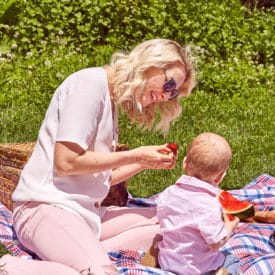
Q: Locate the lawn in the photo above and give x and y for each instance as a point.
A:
(233, 49)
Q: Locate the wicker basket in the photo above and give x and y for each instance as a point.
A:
(13, 157)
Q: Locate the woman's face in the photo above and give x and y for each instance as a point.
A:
(162, 84)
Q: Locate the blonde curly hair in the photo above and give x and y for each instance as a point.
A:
(129, 81)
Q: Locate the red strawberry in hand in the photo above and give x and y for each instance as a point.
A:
(173, 147)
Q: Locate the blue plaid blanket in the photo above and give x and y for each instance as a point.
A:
(250, 241)
(7, 234)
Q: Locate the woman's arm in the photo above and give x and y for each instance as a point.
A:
(125, 172)
(71, 159)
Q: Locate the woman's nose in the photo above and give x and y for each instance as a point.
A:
(161, 96)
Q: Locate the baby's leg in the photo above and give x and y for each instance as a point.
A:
(57, 235)
(129, 228)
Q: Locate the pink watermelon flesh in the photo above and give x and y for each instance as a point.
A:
(233, 206)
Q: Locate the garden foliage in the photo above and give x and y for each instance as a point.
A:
(42, 42)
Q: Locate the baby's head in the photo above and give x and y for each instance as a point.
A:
(208, 158)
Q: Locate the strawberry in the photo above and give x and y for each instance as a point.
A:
(173, 146)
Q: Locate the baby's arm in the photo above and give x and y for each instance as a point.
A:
(230, 226)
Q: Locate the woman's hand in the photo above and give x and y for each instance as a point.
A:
(155, 157)
(145, 157)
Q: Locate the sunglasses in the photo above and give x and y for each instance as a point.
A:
(170, 87)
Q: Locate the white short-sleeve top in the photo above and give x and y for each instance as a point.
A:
(80, 112)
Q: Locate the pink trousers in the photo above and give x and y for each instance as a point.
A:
(67, 245)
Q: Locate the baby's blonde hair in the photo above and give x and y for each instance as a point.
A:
(207, 155)
(129, 81)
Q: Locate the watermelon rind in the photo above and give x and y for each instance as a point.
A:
(242, 209)
(249, 212)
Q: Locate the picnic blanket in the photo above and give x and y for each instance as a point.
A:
(250, 241)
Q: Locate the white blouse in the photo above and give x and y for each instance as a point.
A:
(80, 112)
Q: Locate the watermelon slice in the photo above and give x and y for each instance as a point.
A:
(235, 207)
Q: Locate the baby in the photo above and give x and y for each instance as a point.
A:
(192, 225)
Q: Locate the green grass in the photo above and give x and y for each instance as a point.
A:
(40, 46)
(249, 130)
(245, 118)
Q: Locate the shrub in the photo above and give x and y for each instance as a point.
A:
(221, 28)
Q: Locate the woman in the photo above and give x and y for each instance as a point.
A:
(58, 213)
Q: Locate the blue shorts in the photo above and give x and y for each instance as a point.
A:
(231, 263)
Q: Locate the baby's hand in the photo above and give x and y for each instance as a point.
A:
(230, 220)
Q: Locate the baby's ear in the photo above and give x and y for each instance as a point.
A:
(220, 177)
(184, 164)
